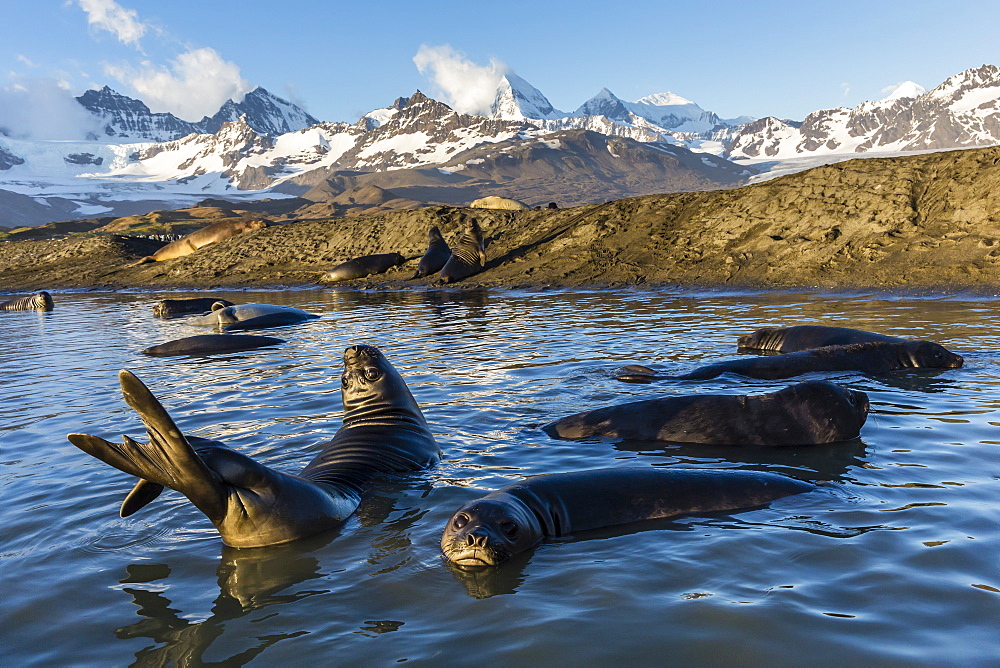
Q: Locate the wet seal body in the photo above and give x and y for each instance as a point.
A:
(875, 358)
(806, 337)
(206, 344)
(36, 301)
(366, 265)
(168, 308)
(515, 518)
(802, 414)
(252, 316)
(253, 505)
(468, 257)
(199, 238)
(436, 255)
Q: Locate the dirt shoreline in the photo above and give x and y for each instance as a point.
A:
(918, 223)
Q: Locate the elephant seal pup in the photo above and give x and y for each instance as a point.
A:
(36, 301)
(205, 344)
(806, 337)
(488, 531)
(802, 414)
(253, 505)
(877, 357)
(168, 308)
(252, 316)
(436, 255)
(199, 238)
(366, 265)
(468, 257)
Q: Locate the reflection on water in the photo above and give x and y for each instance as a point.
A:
(892, 560)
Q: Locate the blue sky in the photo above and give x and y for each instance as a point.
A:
(341, 59)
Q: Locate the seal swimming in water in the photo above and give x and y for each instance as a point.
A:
(806, 337)
(204, 344)
(366, 265)
(168, 308)
(251, 316)
(436, 255)
(36, 301)
(468, 257)
(515, 518)
(211, 234)
(877, 357)
(253, 505)
(802, 414)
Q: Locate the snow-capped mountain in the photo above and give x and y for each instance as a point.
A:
(127, 119)
(963, 111)
(264, 145)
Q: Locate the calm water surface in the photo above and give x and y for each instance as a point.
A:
(895, 559)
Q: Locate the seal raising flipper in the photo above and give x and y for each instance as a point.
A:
(253, 505)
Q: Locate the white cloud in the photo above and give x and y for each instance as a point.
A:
(466, 87)
(25, 60)
(109, 15)
(846, 88)
(35, 108)
(195, 85)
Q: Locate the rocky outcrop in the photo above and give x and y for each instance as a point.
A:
(927, 222)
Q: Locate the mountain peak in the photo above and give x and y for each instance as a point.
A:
(905, 90)
(518, 100)
(666, 99)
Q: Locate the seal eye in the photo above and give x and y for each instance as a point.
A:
(344, 382)
(372, 373)
(509, 529)
(460, 520)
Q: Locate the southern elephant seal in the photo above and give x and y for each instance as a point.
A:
(468, 257)
(253, 505)
(877, 357)
(205, 344)
(436, 255)
(802, 414)
(168, 308)
(36, 301)
(366, 265)
(203, 237)
(515, 518)
(251, 316)
(806, 337)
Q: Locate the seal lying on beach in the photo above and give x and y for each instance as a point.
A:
(436, 255)
(205, 344)
(168, 308)
(203, 237)
(515, 518)
(802, 414)
(366, 265)
(806, 337)
(468, 257)
(873, 358)
(252, 316)
(253, 505)
(36, 301)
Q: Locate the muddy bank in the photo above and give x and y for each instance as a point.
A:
(928, 222)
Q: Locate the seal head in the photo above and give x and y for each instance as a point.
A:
(489, 531)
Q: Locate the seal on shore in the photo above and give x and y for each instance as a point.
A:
(168, 308)
(468, 257)
(436, 255)
(806, 337)
(253, 505)
(36, 301)
(802, 414)
(877, 357)
(515, 518)
(205, 344)
(251, 316)
(203, 237)
(366, 265)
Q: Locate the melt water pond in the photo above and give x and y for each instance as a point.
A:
(895, 559)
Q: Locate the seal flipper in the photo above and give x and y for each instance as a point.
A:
(143, 493)
(168, 459)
